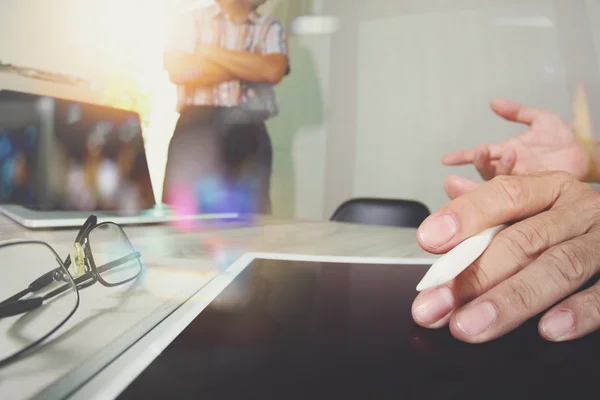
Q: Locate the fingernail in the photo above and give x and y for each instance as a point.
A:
(437, 231)
(433, 306)
(476, 319)
(508, 158)
(558, 325)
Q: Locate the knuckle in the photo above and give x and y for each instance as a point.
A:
(473, 281)
(566, 181)
(564, 177)
(510, 189)
(562, 181)
(594, 200)
(592, 203)
(524, 239)
(475, 206)
(520, 294)
(591, 302)
(568, 264)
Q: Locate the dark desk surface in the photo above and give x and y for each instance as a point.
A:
(301, 330)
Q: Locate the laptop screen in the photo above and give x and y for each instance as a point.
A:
(57, 154)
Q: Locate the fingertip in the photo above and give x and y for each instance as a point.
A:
(452, 189)
(557, 325)
(505, 108)
(447, 159)
(455, 178)
(439, 231)
(456, 158)
(495, 104)
(497, 100)
(456, 186)
(433, 308)
(460, 334)
(501, 102)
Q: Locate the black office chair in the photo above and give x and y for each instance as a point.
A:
(387, 212)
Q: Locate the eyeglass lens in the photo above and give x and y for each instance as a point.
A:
(34, 301)
(115, 258)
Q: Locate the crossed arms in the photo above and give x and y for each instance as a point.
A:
(211, 65)
(208, 65)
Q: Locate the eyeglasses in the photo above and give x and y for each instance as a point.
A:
(44, 290)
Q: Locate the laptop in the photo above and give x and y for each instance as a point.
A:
(62, 160)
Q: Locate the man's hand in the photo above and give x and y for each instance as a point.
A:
(551, 251)
(549, 144)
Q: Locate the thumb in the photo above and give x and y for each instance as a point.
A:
(456, 186)
(516, 112)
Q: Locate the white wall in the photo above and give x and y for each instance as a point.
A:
(412, 80)
(299, 132)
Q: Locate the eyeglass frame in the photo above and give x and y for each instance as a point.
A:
(80, 281)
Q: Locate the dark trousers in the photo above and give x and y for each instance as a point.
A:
(218, 166)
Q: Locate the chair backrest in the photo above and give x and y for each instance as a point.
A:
(387, 212)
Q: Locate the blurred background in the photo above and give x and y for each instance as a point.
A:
(369, 108)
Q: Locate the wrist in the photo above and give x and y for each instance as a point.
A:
(590, 147)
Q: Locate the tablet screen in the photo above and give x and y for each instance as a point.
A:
(286, 329)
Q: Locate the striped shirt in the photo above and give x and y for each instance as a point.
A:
(257, 34)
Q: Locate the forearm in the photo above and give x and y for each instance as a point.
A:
(270, 68)
(190, 70)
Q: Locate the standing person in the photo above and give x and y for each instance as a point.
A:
(225, 60)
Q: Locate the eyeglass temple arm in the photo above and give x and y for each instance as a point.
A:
(9, 309)
(40, 282)
(36, 285)
(48, 277)
(20, 307)
(16, 307)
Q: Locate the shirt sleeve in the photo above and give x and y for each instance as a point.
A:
(183, 35)
(276, 40)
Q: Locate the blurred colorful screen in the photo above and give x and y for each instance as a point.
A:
(63, 155)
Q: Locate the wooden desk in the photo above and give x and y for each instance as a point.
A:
(178, 263)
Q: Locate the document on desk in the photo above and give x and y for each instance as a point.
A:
(107, 321)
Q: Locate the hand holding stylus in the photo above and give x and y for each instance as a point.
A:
(450, 265)
(550, 250)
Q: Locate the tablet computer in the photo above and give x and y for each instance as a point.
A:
(284, 328)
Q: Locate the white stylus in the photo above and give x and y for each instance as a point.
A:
(458, 259)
